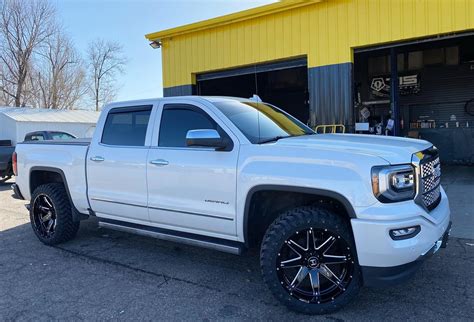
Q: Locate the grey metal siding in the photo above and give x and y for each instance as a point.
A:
(330, 94)
(182, 90)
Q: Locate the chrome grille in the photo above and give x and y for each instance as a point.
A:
(430, 171)
(430, 198)
(430, 183)
(428, 167)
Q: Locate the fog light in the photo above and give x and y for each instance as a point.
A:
(404, 233)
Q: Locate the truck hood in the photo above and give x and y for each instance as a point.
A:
(394, 150)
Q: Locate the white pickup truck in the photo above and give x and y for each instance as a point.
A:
(330, 212)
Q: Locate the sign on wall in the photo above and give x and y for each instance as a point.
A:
(409, 84)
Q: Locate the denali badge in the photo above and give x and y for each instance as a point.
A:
(217, 201)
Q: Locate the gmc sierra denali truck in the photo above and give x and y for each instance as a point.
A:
(329, 212)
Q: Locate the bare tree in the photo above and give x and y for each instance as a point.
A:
(105, 62)
(59, 74)
(24, 26)
(5, 99)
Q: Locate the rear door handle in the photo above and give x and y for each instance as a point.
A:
(159, 162)
(97, 159)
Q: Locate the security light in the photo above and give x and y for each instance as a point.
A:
(155, 44)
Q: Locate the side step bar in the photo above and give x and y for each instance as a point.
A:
(174, 236)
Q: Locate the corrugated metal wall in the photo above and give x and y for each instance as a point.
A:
(182, 90)
(326, 32)
(444, 93)
(441, 84)
(330, 94)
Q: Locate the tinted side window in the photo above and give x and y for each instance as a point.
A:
(61, 136)
(35, 137)
(126, 126)
(177, 120)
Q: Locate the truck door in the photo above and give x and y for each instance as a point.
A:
(116, 165)
(191, 189)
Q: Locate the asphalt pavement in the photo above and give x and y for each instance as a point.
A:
(104, 274)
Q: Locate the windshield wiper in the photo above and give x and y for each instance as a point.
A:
(274, 139)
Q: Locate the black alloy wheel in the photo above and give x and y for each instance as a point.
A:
(51, 214)
(315, 265)
(44, 216)
(309, 260)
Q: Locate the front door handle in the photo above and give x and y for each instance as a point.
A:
(159, 162)
(97, 159)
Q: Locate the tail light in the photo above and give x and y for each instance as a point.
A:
(15, 164)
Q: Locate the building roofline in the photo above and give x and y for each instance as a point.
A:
(268, 9)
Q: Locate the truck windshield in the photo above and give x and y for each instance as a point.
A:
(261, 122)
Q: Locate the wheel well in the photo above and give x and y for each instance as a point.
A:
(40, 177)
(266, 205)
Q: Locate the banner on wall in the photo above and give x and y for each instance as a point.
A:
(408, 84)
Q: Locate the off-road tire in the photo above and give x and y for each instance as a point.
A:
(66, 228)
(285, 226)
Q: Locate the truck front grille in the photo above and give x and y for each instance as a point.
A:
(430, 173)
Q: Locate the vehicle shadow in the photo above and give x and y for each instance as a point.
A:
(7, 186)
(108, 272)
(4, 186)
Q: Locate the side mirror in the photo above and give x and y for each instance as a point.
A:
(205, 138)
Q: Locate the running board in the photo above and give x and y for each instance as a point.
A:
(225, 246)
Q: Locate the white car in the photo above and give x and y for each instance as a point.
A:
(330, 212)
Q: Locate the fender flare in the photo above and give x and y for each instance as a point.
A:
(76, 214)
(312, 191)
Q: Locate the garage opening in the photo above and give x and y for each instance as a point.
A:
(283, 84)
(435, 98)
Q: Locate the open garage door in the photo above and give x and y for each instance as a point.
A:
(283, 84)
(435, 85)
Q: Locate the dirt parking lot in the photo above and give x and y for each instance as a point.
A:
(104, 274)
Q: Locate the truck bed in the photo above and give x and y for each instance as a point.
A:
(67, 158)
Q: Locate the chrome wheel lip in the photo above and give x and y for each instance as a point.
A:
(44, 216)
(322, 265)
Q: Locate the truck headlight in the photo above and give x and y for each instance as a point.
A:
(393, 183)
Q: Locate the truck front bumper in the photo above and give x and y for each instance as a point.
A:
(385, 260)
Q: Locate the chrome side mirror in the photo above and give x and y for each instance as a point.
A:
(205, 138)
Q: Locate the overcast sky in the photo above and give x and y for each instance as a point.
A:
(127, 21)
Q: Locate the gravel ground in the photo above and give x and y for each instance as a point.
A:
(104, 274)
